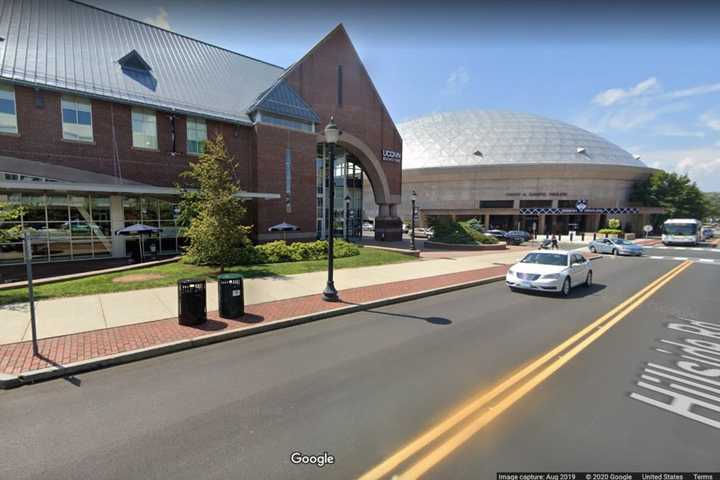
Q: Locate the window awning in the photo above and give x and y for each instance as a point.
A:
(131, 189)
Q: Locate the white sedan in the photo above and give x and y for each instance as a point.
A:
(550, 271)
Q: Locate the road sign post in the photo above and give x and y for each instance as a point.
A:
(31, 297)
(647, 229)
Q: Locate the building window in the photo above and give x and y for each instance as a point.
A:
(196, 135)
(288, 180)
(496, 204)
(339, 86)
(77, 119)
(144, 128)
(535, 203)
(61, 226)
(8, 112)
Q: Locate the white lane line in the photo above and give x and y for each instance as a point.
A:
(706, 260)
(680, 258)
(657, 258)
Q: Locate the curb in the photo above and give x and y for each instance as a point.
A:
(25, 378)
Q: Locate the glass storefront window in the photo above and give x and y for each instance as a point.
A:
(74, 227)
(57, 207)
(149, 211)
(102, 249)
(82, 250)
(11, 253)
(101, 209)
(131, 207)
(348, 180)
(34, 208)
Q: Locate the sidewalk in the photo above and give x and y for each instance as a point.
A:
(66, 354)
(63, 316)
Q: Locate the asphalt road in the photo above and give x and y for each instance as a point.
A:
(361, 386)
(689, 252)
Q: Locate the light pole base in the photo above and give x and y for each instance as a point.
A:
(330, 294)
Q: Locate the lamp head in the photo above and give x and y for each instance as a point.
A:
(332, 133)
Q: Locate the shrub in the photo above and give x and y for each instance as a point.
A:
(280, 251)
(274, 252)
(610, 231)
(345, 249)
(476, 224)
(447, 231)
(614, 224)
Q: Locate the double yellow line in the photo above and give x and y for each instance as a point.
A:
(524, 380)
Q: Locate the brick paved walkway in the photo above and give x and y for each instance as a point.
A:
(16, 358)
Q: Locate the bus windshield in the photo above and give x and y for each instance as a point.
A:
(680, 229)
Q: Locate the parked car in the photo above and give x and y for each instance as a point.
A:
(421, 232)
(499, 234)
(616, 246)
(368, 227)
(708, 232)
(550, 271)
(517, 237)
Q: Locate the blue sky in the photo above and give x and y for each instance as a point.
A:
(644, 75)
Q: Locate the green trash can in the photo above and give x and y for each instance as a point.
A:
(230, 295)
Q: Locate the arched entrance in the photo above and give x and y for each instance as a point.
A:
(351, 157)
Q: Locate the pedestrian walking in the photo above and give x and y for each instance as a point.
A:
(554, 241)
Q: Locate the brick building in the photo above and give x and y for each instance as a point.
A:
(99, 114)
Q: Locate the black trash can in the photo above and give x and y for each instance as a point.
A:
(192, 308)
(230, 295)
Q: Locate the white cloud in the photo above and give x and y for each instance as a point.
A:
(615, 95)
(676, 131)
(632, 116)
(701, 164)
(457, 79)
(710, 120)
(160, 20)
(692, 91)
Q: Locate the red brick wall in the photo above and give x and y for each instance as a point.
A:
(362, 112)
(271, 145)
(41, 139)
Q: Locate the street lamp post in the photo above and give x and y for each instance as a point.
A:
(331, 137)
(413, 197)
(347, 218)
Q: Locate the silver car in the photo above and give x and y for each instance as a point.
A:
(554, 271)
(615, 246)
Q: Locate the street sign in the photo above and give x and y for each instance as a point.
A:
(648, 228)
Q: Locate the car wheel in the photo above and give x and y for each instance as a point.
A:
(615, 251)
(593, 249)
(588, 280)
(566, 288)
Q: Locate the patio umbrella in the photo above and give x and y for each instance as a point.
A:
(141, 230)
(284, 227)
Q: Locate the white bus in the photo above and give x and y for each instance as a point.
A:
(684, 231)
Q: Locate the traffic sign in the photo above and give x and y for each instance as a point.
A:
(648, 228)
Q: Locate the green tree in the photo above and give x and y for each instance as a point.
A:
(677, 194)
(712, 200)
(213, 211)
(9, 213)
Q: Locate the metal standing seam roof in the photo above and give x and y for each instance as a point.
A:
(282, 99)
(478, 137)
(61, 44)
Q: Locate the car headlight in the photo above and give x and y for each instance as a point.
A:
(551, 276)
(511, 272)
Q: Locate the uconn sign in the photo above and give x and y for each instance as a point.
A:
(391, 156)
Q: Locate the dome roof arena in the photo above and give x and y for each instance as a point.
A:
(478, 137)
